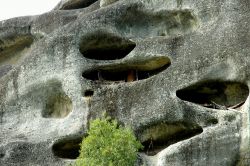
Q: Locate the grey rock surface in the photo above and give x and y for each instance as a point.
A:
(176, 71)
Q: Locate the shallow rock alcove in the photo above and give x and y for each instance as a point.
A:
(57, 106)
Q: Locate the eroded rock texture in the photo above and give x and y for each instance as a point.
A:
(176, 71)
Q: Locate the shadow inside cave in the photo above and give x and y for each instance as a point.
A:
(216, 94)
(158, 137)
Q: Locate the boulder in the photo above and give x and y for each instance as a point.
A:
(176, 71)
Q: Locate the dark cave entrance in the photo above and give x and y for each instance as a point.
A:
(126, 75)
(67, 149)
(216, 94)
(105, 46)
(158, 137)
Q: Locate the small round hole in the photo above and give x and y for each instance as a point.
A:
(88, 93)
(2, 155)
(215, 121)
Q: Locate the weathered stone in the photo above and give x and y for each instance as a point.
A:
(104, 3)
(176, 71)
(74, 4)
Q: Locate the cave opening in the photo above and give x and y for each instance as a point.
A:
(88, 93)
(158, 137)
(67, 149)
(216, 94)
(117, 76)
(2, 155)
(78, 4)
(111, 52)
(104, 46)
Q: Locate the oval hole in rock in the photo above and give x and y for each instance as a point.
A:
(88, 93)
(157, 137)
(101, 46)
(68, 149)
(76, 4)
(126, 74)
(213, 121)
(2, 155)
(216, 94)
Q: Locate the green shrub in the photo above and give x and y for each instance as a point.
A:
(108, 144)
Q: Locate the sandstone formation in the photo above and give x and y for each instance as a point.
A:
(176, 71)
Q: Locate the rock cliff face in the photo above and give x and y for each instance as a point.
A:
(176, 71)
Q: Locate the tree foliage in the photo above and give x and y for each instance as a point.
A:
(108, 144)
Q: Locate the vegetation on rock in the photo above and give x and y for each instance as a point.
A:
(108, 144)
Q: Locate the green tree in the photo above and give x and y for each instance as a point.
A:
(108, 144)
